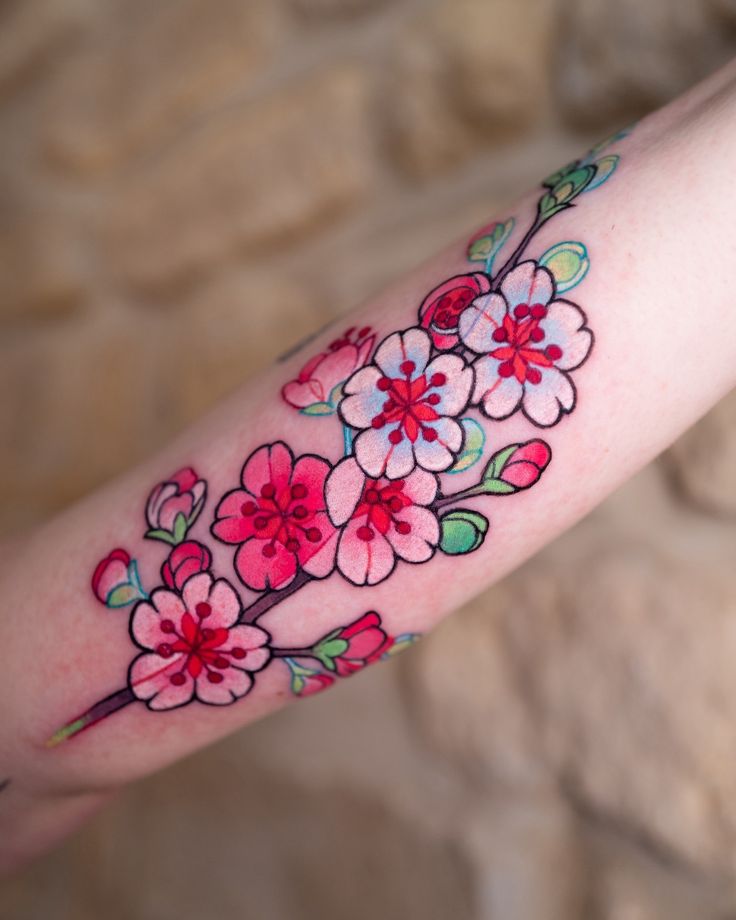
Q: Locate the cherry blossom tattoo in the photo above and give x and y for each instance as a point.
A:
(414, 409)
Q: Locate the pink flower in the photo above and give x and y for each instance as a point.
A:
(174, 505)
(441, 308)
(528, 341)
(526, 464)
(186, 559)
(381, 521)
(316, 389)
(115, 581)
(194, 647)
(351, 648)
(405, 405)
(279, 517)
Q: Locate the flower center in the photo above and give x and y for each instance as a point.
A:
(518, 336)
(410, 405)
(200, 647)
(282, 517)
(380, 506)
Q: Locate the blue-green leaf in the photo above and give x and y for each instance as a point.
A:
(318, 408)
(604, 169)
(475, 441)
(462, 531)
(568, 262)
(487, 243)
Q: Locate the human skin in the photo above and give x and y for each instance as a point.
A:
(658, 297)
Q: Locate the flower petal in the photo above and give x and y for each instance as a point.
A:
(343, 489)
(543, 403)
(259, 572)
(439, 454)
(529, 284)
(149, 679)
(364, 562)
(271, 463)
(254, 641)
(378, 457)
(455, 392)
(363, 400)
(145, 624)
(564, 326)
(413, 345)
(311, 472)
(420, 487)
(231, 525)
(498, 396)
(419, 544)
(318, 558)
(234, 684)
(480, 320)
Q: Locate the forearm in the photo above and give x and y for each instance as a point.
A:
(292, 551)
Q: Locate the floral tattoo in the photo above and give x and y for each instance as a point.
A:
(414, 409)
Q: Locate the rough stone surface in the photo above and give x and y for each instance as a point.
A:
(703, 461)
(212, 195)
(185, 195)
(623, 59)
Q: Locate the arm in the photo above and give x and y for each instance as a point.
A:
(370, 483)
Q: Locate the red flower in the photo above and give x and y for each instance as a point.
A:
(175, 504)
(279, 517)
(441, 308)
(526, 464)
(186, 559)
(115, 581)
(315, 390)
(351, 648)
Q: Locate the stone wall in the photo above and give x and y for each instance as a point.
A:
(197, 184)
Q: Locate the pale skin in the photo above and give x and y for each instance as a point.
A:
(659, 297)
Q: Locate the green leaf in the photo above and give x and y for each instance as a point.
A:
(498, 462)
(462, 531)
(319, 408)
(485, 248)
(552, 180)
(497, 487)
(568, 263)
(400, 643)
(475, 441)
(122, 596)
(180, 527)
(565, 191)
(604, 169)
(328, 649)
(160, 535)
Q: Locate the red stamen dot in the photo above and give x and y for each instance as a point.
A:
(203, 609)
(395, 504)
(248, 508)
(499, 335)
(314, 534)
(521, 311)
(433, 399)
(378, 421)
(164, 650)
(429, 434)
(293, 545)
(177, 679)
(214, 678)
(300, 512)
(269, 551)
(536, 335)
(553, 352)
(167, 626)
(539, 311)
(438, 380)
(407, 367)
(299, 490)
(372, 496)
(396, 437)
(384, 383)
(260, 522)
(533, 375)
(403, 527)
(365, 533)
(221, 662)
(237, 652)
(268, 491)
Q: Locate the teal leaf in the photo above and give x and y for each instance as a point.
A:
(399, 644)
(475, 441)
(318, 408)
(604, 169)
(180, 528)
(462, 531)
(568, 262)
(122, 596)
(486, 246)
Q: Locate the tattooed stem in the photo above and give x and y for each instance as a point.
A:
(514, 257)
(293, 653)
(472, 492)
(93, 715)
(268, 600)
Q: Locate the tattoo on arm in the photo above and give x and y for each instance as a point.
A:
(414, 409)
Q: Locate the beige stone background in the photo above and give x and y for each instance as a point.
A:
(189, 186)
